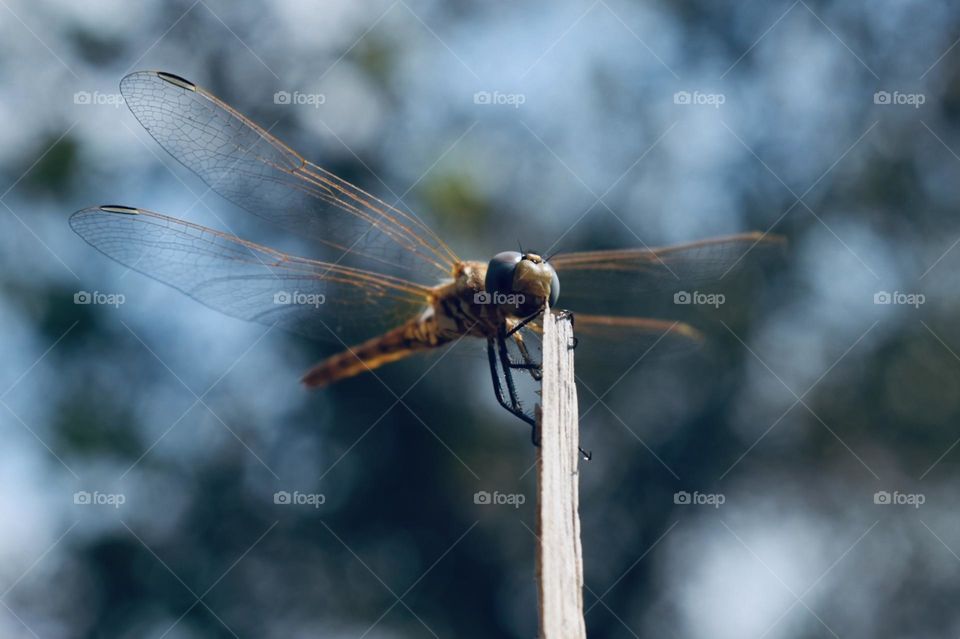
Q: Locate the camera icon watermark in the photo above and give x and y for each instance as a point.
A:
(297, 98)
(299, 299)
(496, 498)
(97, 298)
(696, 498)
(916, 100)
(896, 498)
(496, 98)
(698, 98)
(899, 298)
(697, 298)
(296, 498)
(483, 298)
(96, 498)
(95, 98)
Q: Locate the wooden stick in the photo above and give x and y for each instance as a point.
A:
(559, 558)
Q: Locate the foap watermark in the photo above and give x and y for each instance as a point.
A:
(503, 299)
(896, 498)
(496, 498)
(899, 298)
(696, 498)
(299, 99)
(900, 99)
(96, 498)
(497, 98)
(698, 98)
(298, 298)
(696, 298)
(99, 299)
(296, 498)
(95, 98)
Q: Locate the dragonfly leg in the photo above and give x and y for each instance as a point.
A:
(535, 369)
(526, 321)
(515, 407)
(506, 364)
(528, 363)
(495, 374)
(564, 314)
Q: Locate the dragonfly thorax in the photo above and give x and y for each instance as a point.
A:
(522, 282)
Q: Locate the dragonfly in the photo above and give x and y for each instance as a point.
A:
(383, 286)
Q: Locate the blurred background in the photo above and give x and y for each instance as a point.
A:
(796, 477)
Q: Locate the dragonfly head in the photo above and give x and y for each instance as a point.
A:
(523, 274)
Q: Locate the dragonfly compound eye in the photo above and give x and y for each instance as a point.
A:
(500, 272)
(527, 274)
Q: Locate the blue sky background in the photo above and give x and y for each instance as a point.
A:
(832, 123)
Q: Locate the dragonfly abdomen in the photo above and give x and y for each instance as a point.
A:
(418, 334)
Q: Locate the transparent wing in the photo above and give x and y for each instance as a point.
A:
(248, 166)
(610, 347)
(644, 281)
(245, 280)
